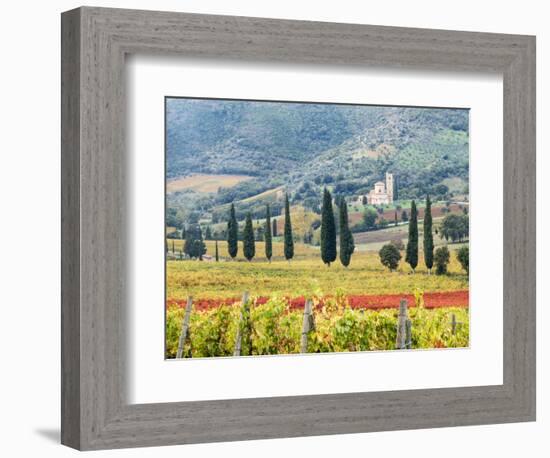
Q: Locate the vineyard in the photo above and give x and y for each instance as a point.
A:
(275, 327)
(354, 308)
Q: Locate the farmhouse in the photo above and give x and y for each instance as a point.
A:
(382, 192)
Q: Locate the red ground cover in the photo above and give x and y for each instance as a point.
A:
(373, 302)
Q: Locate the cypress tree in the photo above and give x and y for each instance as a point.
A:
(274, 228)
(412, 244)
(200, 247)
(208, 234)
(346, 238)
(267, 235)
(188, 243)
(249, 247)
(217, 252)
(328, 230)
(232, 233)
(289, 242)
(463, 256)
(183, 232)
(428, 236)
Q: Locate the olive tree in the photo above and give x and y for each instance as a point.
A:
(441, 258)
(463, 256)
(390, 256)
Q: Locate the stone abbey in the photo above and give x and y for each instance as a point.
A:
(382, 192)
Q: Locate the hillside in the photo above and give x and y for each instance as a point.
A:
(305, 146)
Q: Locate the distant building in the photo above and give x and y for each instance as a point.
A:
(382, 193)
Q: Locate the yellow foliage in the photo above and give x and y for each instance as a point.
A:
(304, 275)
(273, 328)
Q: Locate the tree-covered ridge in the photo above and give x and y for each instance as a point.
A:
(307, 139)
(300, 148)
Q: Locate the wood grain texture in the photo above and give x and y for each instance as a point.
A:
(95, 411)
(70, 229)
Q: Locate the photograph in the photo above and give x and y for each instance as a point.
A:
(253, 234)
(298, 227)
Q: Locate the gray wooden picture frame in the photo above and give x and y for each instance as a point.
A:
(95, 413)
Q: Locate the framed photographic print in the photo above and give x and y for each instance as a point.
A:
(287, 228)
(271, 195)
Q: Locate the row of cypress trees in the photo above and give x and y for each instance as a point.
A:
(328, 232)
(249, 244)
(328, 235)
(411, 256)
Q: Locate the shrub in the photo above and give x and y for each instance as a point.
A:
(390, 256)
(441, 258)
(369, 219)
(463, 256)
(455, 227)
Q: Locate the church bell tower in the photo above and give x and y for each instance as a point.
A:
(389, 186)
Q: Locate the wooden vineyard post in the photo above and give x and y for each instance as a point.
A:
(401, 341)
(184, 327)
(408, 334)
(453, 324)
(239, 338)
(307, 325)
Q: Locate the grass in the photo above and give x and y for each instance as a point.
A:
(374, 240)
(300, 250)
(455, 184)
(205, 183)
(263, 195)
(304, 275)
(268, 196)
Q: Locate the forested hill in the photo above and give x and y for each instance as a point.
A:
(291, 143)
